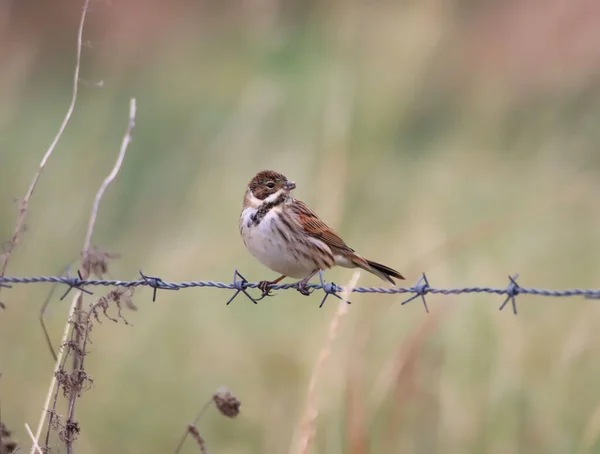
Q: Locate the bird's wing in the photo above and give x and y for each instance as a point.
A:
(315, 227)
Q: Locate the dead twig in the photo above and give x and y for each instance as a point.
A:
(23, 205)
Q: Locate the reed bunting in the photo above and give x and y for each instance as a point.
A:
(288, 237)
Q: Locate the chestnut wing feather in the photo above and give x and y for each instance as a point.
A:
(316, 228)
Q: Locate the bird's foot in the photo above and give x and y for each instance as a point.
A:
(302, 287)
(264, 287)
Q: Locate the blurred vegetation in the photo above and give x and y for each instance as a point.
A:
(454, 137)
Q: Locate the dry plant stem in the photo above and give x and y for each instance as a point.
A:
(78, 362)
(79, 359)
(35, 444)
(307, 423)
(111, 176)
(51, 418)
(88, 238)
(43, 313)
(193, 430)
(25, 202)
(194, 423)
(356, 425)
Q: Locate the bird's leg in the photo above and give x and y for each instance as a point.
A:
(264, 286)
(302, 287)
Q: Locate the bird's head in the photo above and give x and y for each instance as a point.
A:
(268, 185)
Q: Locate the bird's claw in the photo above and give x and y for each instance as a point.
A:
(303, 288)
(264, 288)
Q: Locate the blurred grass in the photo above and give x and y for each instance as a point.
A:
(417, 156)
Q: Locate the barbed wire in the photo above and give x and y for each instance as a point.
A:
(241, 285)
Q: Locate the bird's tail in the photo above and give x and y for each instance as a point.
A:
(383, 272)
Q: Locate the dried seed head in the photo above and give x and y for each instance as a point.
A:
(226, 402)
(119, 296)
(7, 444)
(96, 261)
(69, 432)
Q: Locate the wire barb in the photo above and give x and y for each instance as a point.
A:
(156, 283)
(240, 286)
(74, 282)
(421, 288)
(329, 288)
(512, 290)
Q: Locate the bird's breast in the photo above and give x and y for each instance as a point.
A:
(273, 244)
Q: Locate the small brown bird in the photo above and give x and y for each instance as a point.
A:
(290, 239)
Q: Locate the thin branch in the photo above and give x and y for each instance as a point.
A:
(25, 202)
(308, 420)
(77, 297)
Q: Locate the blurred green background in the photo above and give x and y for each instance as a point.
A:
(449, 136)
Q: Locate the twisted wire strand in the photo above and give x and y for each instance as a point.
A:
(419, 289)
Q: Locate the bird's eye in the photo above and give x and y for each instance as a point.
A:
(270, 185)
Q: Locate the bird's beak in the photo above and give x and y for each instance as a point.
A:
(289, 185)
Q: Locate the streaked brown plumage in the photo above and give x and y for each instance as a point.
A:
(285, 235)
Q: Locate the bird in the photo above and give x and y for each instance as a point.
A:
(286, 236)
